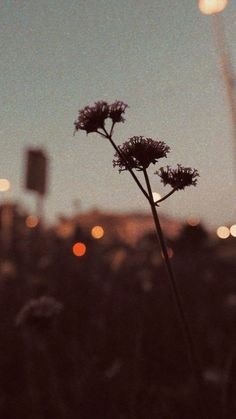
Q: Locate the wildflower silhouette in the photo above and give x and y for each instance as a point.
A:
(35, 319)
(178, 178)
(116, 111)
(91, 118)
(137, 154)
(39, 313)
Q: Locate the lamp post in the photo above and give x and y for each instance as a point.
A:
(6, 219)
(214, 7)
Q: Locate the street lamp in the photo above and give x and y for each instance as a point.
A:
(214, 7)
(6, 219)
(4, 185)
(210, 7)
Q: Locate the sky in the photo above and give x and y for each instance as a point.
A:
(159, 57)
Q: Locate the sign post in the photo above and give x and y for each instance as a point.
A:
(36, 176)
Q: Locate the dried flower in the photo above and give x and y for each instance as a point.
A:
(178, 178)
(139, 153)
(116, 110)
(91, 118)
(39, 312)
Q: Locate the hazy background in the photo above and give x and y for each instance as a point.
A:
(159, 57)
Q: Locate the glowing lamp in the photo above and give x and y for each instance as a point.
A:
(156, 196)
(223, 232)
(210, 7)
(97, 232)
(233, 230)
(170, 253)
(79, 249)
(4, 185)
(193, 222)
(31, 221)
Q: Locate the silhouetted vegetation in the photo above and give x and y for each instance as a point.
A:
(116, 340)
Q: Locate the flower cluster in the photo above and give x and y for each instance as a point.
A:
(139, 152)
(116, 111)
(39, 313)
(91, 118)
(178, 178)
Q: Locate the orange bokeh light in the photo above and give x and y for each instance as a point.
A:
(170, 253)
(97, 232)
(31, 221)
(193, 221)
(79, 249)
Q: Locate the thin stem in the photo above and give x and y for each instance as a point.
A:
(111, 132)
(108, 136)
(179, 307)
(164, 197)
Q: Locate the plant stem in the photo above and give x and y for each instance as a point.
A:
(179, 307)
(175, 293)
(164, 197)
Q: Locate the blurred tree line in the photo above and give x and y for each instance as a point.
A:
(115, 350)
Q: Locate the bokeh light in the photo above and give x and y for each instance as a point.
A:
(193, 221)
(65, 229)
(223, 232)
(233, 230)
(79, 249)
(97, 232)
(156, 196)
(170, 253)
(4, 185)
(31, 221)
(209, 7)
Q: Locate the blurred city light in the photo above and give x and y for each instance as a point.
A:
(31, 221)
(65, 229)
(223, 232)
(156, 196)
(193, 221)
(170, 253)
(231, 300)
(210, 7)
(79, 249)
(4, 185)
(97, 232)
(7, 269)
(233, 230)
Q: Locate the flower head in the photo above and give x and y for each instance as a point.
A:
(178, 178)
(39, 312)
(139, 152)
(91, 118)
(116, 110)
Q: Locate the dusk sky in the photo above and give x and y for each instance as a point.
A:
(159, 57)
